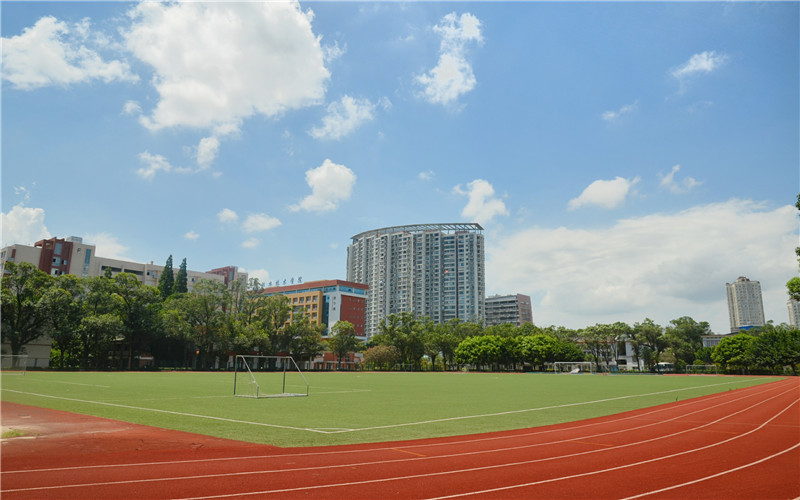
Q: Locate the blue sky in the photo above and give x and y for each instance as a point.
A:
(625, 159)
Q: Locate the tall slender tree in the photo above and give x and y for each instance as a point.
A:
(167, 280)
(182, 280)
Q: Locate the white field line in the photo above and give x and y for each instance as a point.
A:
(74, 383)
(526, 433)
(155, 410)
(718, 474)
(389, 426)
(429, 445)
(383, 462)
(528, 410)
(533, 483)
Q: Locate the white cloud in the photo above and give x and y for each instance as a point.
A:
(152, 164)
(131, 108)
(605, 194)
(256, 223)
(426, 175)
(612, 116)
(343, 117)
(23, 225)
(261, 274)
(702, 63)
(53, 53)
(482, 206)
(251, 243)
(687, 184)
(453, 76)
(207, 152)
(330, 184)
(107, 246)
(227, 215)
(661, 266)
(191, 235)
(218, 63)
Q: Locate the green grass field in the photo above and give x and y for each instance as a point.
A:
(355, 407)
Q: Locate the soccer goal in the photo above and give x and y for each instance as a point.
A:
(573, 367)
(268, 377)
(701, 370)
(13, 364)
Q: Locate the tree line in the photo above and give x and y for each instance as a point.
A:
(115, 322)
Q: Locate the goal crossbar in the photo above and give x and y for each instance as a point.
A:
(268, 377)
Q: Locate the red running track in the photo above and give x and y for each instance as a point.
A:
(741, 444)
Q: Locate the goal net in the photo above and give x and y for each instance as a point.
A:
(268, 377)
(13, 364)
(701, 370)
(573, 367)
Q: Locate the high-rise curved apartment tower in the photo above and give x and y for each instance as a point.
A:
(430, 270)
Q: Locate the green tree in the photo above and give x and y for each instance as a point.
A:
(182, 279)
(382, 357)
(61, 305)
(776, 348)
(21, 319)
(100, 324)
(138, 307)
(306, 338)
(734, 352)
(343, 341)
(650, 337)
(538, 349)
(167, 280)
(481, 351)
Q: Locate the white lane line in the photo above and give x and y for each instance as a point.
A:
(718, 474)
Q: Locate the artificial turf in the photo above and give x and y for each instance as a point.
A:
(355, 407)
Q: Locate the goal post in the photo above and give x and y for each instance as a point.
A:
(701, 370)
(268, 377)
(13, 364)
(573, 367)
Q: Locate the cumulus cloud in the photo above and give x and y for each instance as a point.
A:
(330, 184)
(453, 76)
(261, 274)
(605, 194)
(255, 223)
(661, 266)
(678, 187)
(23, 225)
(482, 206)
(613, 116)
(191, 235)
(108, 246)
(207, 152)
(344, 116)
(52, 52)
(227, 215)
(218, 63)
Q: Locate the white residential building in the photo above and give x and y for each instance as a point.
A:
(745, 305)
(515, 309)
(429, 270)
(794, 313)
